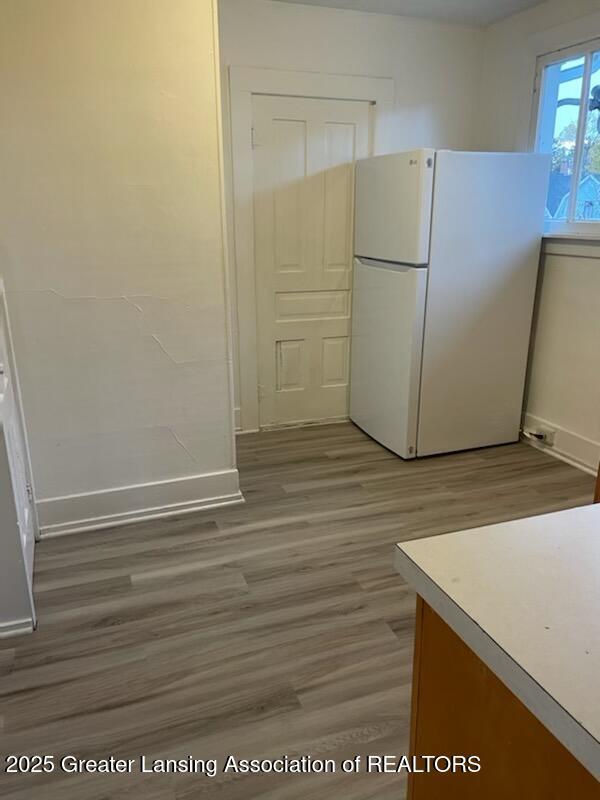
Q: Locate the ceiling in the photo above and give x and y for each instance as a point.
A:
(469, 12)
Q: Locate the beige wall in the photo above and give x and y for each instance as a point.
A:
(112, 250)
(564, 379)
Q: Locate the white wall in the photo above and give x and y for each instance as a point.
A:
(435, 66)
(564, 380)
(112, 250)
(503, 116)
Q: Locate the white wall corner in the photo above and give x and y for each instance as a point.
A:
(125, 505)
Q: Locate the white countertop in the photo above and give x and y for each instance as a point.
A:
(525, 596)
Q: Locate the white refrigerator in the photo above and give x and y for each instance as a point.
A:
(447, 248)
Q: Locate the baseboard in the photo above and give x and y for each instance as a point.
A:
(16, 628)
(577, 450)
(239, 431)
(128, 504)
(307, 423)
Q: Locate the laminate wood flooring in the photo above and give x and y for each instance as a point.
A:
(270, 628)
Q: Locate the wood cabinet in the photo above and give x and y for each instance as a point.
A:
(460, 707)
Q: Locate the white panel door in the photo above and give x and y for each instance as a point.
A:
(304, 152)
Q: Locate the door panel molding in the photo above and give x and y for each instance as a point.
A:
(244, 82)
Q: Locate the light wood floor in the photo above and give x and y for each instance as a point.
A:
(276, 627)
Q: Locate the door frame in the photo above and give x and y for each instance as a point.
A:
(243, 83)
(10, 367)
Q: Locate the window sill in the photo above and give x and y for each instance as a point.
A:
(581, 237)
(575, 245)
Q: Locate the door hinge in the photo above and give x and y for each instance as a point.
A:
(29, 491)
(253, 139)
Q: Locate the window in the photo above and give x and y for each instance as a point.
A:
(568, 127)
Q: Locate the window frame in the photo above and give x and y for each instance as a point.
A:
(569, 227)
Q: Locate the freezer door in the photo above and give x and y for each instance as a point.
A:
(387, 336)
(393, 206)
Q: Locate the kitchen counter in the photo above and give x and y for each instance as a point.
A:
(524, 596)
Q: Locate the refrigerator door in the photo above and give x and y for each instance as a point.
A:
(393, 206)
(488, 214)
(387, 335)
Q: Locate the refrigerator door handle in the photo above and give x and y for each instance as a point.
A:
(393, 266)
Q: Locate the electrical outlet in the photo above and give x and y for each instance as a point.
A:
(548, 435)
